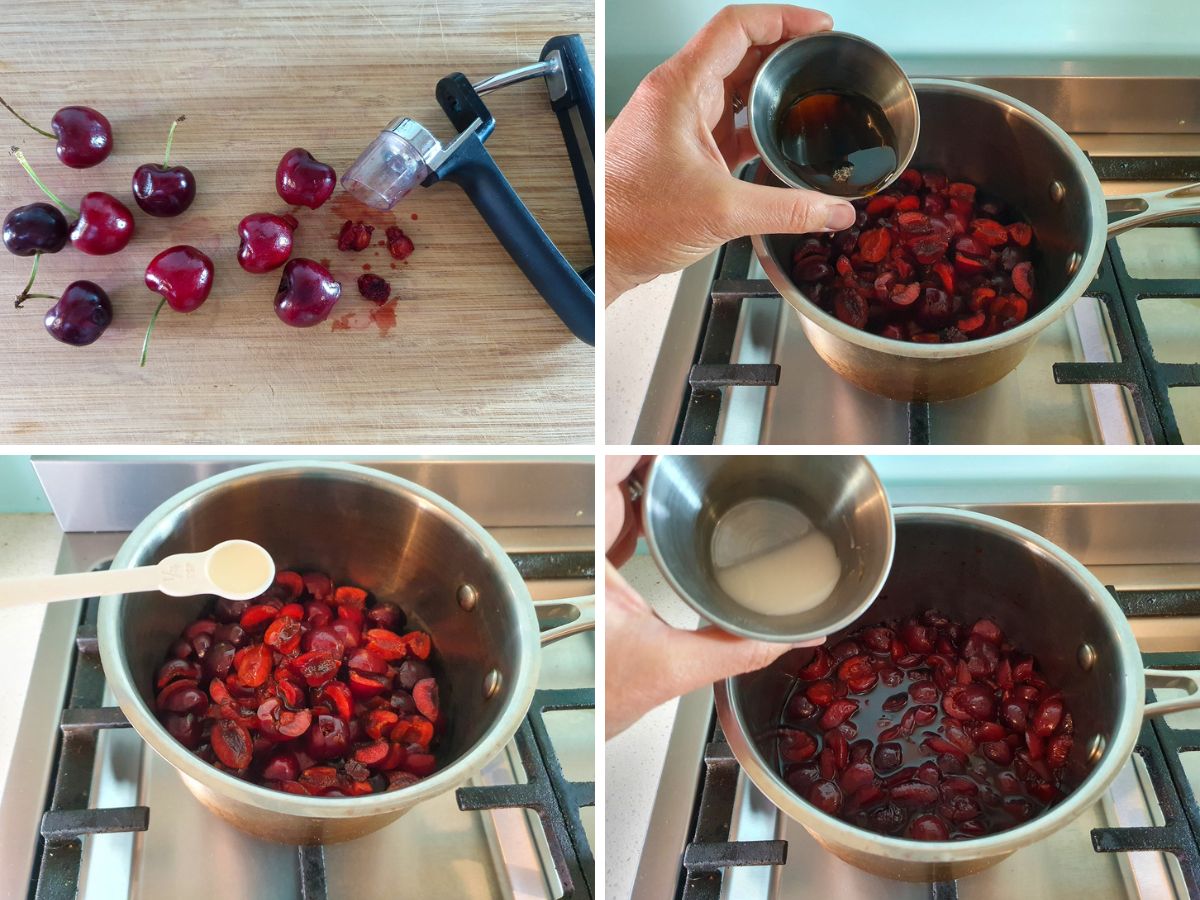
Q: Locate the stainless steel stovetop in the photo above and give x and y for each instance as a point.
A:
(1146, 119)
(187, 853)
(1131, 545)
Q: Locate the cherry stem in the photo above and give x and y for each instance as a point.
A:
(171, 140)
(20, 157)
(40, 131)
(25, 295)
(149, 330)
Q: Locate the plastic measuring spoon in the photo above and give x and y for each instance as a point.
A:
(235, 570)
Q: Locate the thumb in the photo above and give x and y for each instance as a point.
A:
(701, 657)
(761, 209)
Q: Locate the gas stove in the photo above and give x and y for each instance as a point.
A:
(709, 833)
(1122, 367)
(90, 808)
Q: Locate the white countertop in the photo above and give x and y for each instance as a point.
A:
(634, 758)
(29, 545)
(634, 326)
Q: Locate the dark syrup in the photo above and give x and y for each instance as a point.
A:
(840, 143)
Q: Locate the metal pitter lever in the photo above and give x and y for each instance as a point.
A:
(407, 154)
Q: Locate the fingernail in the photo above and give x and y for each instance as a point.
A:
(839, 216)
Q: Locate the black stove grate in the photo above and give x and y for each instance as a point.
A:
(547, 792)
(67, 819)
(1148, 381)
(709, 852)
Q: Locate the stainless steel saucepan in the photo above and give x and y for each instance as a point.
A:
(1013, 152)
(970, 565)
(394, 538)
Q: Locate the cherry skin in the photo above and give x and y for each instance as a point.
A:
(163, 190)
(105, 225)
(85, 137)
(266, 241)
(307, 293)
(304, 181)
(36, 228)
(183, 275)
(81, 314)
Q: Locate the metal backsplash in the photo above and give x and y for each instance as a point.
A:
(115, 495)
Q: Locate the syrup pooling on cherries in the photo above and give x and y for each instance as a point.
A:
(928, 260)
(926, 728)
(310, 689)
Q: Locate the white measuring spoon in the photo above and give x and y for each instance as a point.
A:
(235, 570)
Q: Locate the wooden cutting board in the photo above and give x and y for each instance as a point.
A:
(474, 354)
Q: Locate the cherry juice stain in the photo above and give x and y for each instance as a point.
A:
(366, 267)
(414, 217)
(383, 317)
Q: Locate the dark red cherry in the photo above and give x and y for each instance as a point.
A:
(105, 225)
(266, 241)
(81, 314)
(36, 228)
(303, 180)
(84, 136)
(183, 275)
(307, 293)
(161, 190)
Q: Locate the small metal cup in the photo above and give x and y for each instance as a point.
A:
(830, 61)
(686, 496)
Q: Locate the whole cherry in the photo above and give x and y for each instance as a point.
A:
(304, 181)
(36, 228)
(307, 293)
(266, 241)
(161, 190)
(184, 277)
(84, 137)
(31, 231)
(103, 224)
(80, 316)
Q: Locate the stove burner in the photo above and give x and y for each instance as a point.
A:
(1160, 746)
(548, 793)
(1147, 380)
(68, 820)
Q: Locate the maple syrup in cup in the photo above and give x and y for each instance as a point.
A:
(240, 569)
(770, 559)
(839, 142)
(832, 112)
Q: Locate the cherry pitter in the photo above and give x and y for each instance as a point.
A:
(407, 154)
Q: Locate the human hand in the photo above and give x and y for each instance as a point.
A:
(647, 662)
(670, 199)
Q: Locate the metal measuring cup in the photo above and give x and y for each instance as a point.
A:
(836, 62)
(685, 497)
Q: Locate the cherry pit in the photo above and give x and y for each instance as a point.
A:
(928, 729)
(311, 688)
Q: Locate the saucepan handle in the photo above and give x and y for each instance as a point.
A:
(562, 618)
(1153, 207)
(1179, 679)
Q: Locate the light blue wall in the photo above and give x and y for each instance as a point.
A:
(642, 33)
(20, 491)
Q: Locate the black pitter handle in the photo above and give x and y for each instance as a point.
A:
(472, 168)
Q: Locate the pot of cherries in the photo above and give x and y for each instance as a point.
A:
(100, 224)
(988, 696)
